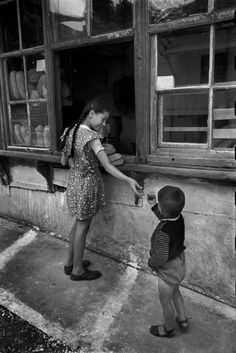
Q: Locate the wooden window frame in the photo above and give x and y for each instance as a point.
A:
(169, 154)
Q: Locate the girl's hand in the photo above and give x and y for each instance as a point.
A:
(137, 189)
(71, 162)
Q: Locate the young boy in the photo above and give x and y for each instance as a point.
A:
(167, 258)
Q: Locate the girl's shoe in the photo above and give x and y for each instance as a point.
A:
(183, 324)
(88, 275)
(68, 269)
(154, 330)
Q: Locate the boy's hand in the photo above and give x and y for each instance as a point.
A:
(151, 198)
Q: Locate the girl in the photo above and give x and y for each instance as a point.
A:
(83, 150)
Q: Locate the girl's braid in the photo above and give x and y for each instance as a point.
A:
(77, 125)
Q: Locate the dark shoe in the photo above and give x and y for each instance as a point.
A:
(86, 276)
(154, 330)
(183, 324)
(68, 269)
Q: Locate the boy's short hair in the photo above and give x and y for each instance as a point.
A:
(172, 200)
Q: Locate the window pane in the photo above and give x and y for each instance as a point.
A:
(36, 77)
(39, 124)
(16, 79)
(111, 15)
(37, 90)
(162, 11)
(185, 117)
(20, 129)
(9, 26)
(225, 53)
(183, 58)
(224, 119)
(68, 19)
(223, 4)
(31, 23)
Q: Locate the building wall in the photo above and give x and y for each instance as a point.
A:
(123, 229)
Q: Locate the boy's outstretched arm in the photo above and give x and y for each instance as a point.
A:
(159, 249)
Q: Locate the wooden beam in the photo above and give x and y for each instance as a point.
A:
(141, 65)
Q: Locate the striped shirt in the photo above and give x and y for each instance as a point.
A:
(166, 241)
(159, 252)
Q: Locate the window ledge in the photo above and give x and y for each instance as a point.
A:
(32, 156)
(220, 174)
(224, 175)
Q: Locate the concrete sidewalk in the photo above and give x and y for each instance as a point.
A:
(111, 314)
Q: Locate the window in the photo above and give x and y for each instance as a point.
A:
(195, 88)
(26, 86)
(27, 101)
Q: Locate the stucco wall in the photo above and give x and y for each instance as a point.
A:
(123, 230)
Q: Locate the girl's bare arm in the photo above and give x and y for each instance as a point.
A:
(111, 169)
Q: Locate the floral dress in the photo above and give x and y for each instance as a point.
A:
(85, 192)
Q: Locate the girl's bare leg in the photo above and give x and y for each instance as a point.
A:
(178, 302)
(79, 245)
(165, 296)
(70, 257)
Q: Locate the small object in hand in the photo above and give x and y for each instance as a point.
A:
(151, 197)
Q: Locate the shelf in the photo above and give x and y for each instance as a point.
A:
(224, 114)
(185, 129)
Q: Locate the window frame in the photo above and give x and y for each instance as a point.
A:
(171, 153)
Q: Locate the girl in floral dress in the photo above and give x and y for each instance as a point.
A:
(83, 150)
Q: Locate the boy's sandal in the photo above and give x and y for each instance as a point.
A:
(88, 275)
(154, 330)
(68, 269)
(183, 324)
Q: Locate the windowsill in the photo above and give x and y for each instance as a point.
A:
(189, 171)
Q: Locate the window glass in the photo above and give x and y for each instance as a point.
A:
(31, 23)
(225, 53)
(224, 119)
(162, 11)
(183, 58)
(40, 133)
(36, 77)
(27, 105)
(223, 4)
(9, 26)
(184, 117)
(19, 125)
(68, 19)
(16, 79)
(111, 15)
(37, 91)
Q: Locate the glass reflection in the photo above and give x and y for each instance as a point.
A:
(9, 26)
(31, 23)
(69, 19)
(162, 11)
(225, 53)
(223, 4)
(185, 117)
(224, 121)
(183, 58)
(111, 15)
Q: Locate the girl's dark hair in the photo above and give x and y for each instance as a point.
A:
(95, 104)
(172, 200)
